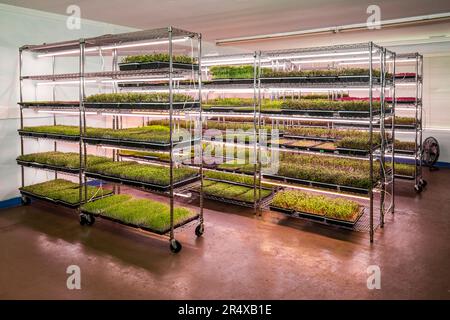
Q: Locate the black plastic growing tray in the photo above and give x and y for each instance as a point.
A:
(318, 218)
(322, 139)
(149, 158)
(156, 65)
(311, 113)
(329, 113)
(339, 150)
(148, 229)
(139, 144)
(142, 105)
(231, 109)
(56, 104)
(316, 184)
(48, 167)
(234, 201)
(46, 135)
(403, 177)
(320, 79)
(58, 202)
(231, 81)
(409, 152)
(141, 184)
(289, 146)
(402, 126)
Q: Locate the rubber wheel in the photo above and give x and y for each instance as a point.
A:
(175, 246)
(423, 183)
(25, 200)
(418, 188)
(83, 220)
(90, 220)
(199, 230)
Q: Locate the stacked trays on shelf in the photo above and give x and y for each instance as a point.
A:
(156, 67)
(409, 123)
(62, 192)
(327, 138)
(153, 137)
(236, 188)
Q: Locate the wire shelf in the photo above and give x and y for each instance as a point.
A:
(111, 39)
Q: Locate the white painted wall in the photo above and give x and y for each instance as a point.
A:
(22, 26)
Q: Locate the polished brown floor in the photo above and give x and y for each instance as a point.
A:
(239, 257)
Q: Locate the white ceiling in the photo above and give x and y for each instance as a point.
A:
(218, 19)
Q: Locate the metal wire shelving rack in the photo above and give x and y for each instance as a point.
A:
(368, 54)
(233, 87)
(112, 47)
(412, 106)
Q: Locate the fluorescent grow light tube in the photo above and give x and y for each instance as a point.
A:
(142, 80)
(321, 119)
(314, 190)
(63, 53)
(225, 115)
(335, 54)
(122, 46)
(404, 84)
(143, 44)
(141, 115)
(64, 112)
(53, 83)
(330, 60)
(231, 61)
(319, 89)
(377, 61)
(269, 90)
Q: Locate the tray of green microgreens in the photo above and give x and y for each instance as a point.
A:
(63, 192)
(142, 213)
(53, 104)
(236, 189)
(61, 161)
(325, 209)
(405, 147)
(138, 101)
(147, 137)
(157, 61)
(338, 173)
(405, 171)
(149, 176)
(267, 75)
(402, 123)
(341, 141)
(308, 107)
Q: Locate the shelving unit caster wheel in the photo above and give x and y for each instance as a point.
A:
(25, 200)
(423, 183)
(418, 188)
(175, 246)
(87, 219)
(199, 230)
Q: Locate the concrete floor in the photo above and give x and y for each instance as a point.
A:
(239, 257)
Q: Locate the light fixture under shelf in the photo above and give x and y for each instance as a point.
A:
(122, 46)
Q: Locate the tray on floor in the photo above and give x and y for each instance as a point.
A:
(318, 218)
